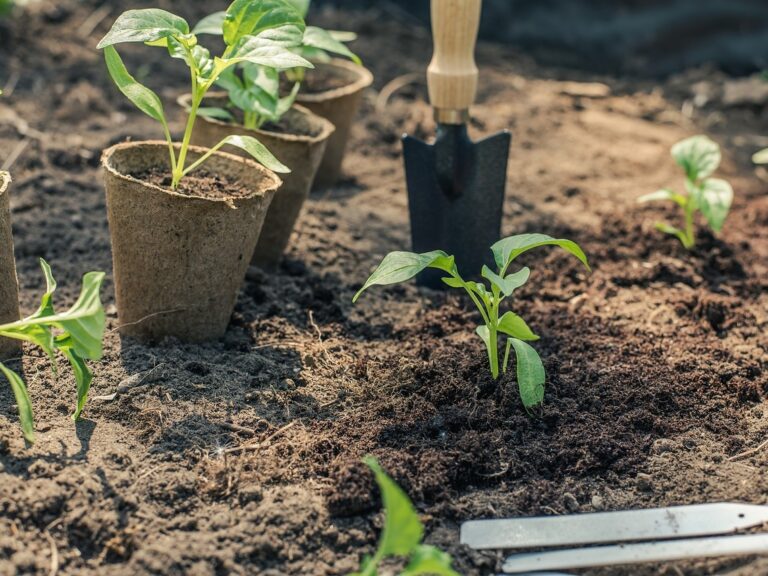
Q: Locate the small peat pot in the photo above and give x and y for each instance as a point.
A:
(9, 285)
(334, 90)
(298, 141)
(180, 257)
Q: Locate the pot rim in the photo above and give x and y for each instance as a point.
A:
(271, 181)
(326, 127)
(364, 80)
(5, 181)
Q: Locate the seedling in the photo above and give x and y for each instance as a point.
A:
(401, 266)
(402, 534)
(318, 43)
(255, 89)
(699, 157)
(76, 333)
(260, 32)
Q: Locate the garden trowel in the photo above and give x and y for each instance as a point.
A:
(455, 186)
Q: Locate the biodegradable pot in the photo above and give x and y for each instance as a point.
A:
(300, 146)
(9, 285)
(179, 261)
(340, 106)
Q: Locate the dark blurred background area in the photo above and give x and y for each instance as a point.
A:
(651, 38)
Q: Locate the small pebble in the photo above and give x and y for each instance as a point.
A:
(644, 482)
(570, 502)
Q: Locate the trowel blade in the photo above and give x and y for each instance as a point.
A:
(456, 195)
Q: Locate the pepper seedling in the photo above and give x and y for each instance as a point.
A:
(76, 333)
(402, 534)
(260, 32)
(699, 157)
(255, 89)
(401, 266)
(318, 43)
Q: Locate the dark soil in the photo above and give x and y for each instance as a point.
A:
(199, 183)
(319, 80)
(243, 456)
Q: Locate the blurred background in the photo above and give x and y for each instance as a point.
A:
(648, 37)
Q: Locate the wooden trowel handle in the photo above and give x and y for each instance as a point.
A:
(452, 74)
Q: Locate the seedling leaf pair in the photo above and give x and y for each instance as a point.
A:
(76, 333)
(699, 157)
(258, 32)
(253, 86)
(402, 266)
(402, 534)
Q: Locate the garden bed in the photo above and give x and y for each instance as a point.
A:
(243, 456)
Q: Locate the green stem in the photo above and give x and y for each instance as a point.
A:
(689, 241)
(203, 158)
(493, 351)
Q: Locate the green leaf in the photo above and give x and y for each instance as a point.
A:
(144, 26)
(85, 321)
(142, 97)
(402, 527)
(257, 150)
(453, 282)
(216, 114)
(301, 6)
(318, 38)
(509, 284)
(699, 156)
(512, 325)
(267, 53)
(507, 249)
(401, 266)
(249, 18)
(715, 201)
(83, 374)
(760, 157)
(46, 304)
(22, 401)
(211, 24)
(530, 374)
(429, 560)
(665, 194)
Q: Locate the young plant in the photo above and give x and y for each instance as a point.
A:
(76, 333)
(261, 32)
(255, 89)
(699, 157)
(401, 266)
(402, 534)
(318, 43)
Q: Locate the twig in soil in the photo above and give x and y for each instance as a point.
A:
(54, 554)
(90, 23)
(236, 428)
(15, 153)
(10, 86)
(748, 453)
(133, 381)
(262, 444)
(140, 320)
(394, 86)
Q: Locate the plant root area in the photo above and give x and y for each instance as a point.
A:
(243, 456)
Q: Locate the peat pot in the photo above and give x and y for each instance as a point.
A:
(334, 90)
(298, 141)
(180, 258)
(9, 286)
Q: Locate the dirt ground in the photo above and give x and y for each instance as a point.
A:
(243, 456)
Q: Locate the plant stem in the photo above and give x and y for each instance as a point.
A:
(493, 351)
(689, 240)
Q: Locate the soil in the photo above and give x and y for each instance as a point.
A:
(243, 456)
(319, 80)
(200, 183)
